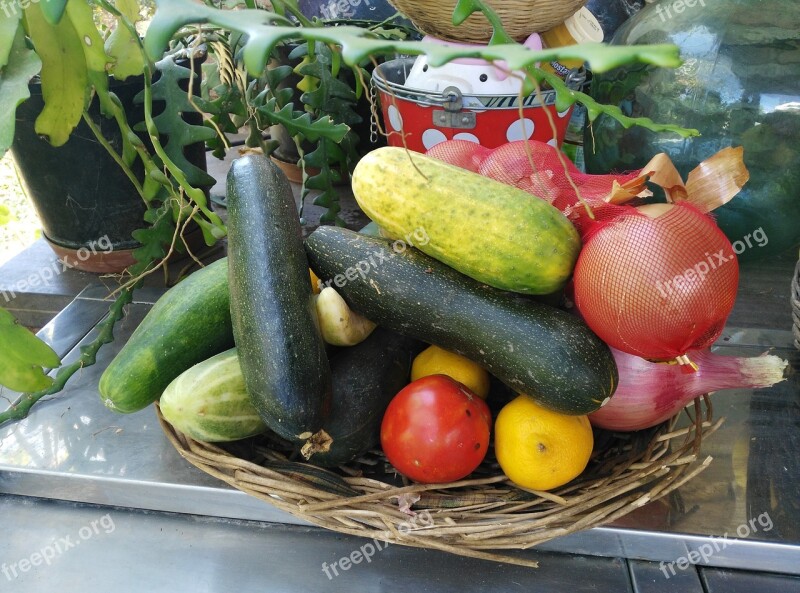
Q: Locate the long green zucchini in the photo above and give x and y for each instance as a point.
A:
(535, 349)
(281, 352)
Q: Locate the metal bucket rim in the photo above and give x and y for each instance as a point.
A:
(425, 97)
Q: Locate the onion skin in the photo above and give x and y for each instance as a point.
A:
(650, 393)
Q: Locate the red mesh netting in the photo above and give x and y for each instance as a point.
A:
(651, 287)
(656, 287)
(533, 166)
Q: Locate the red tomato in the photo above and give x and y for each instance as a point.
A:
(436, 430)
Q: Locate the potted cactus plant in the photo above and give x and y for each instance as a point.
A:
(142, 173)
(70, 134)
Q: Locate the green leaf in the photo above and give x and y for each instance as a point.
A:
(170, 121)
(323, 157)
(65, 76)
(22, 356)
(264, 30)
(464, 8)
(80, 15)
(122, 47)
(228, 104)
(53, 10)
(155, 239)
(331, 96)
(8, 32)
(301, 123)
(23, 64)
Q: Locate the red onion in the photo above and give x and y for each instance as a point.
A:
(650, 393)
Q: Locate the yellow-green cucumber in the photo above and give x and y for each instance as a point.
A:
(209, 402)
(495, 233)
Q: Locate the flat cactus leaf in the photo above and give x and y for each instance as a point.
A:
(170, 121)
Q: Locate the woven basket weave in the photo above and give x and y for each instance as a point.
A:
(796, 306)
(520, 18)
(470, 517)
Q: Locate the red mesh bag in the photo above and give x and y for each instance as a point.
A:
(533, 166)
(656, 287)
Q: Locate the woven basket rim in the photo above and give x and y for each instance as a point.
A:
(482, 520)
(520, 18)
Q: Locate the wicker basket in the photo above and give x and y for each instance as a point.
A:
(796, 306)
(520, 18)
(470, 517)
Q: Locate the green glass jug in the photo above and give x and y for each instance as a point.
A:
(739, 85)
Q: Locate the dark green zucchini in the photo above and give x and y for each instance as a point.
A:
(365, 379)
(188, 324)
(535, 349)
(281, 352)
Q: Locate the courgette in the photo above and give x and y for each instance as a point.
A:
(495, 233)
(209, 402)
(281, 351)
(365, 379)
(188, 324)
(535, 349)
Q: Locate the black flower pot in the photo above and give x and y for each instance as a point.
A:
(87, 206)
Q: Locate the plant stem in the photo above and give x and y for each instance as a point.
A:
(88, 357)
(98, 134)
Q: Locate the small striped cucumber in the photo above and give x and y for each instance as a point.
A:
(209, 402)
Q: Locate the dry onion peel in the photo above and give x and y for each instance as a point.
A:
(718, 179)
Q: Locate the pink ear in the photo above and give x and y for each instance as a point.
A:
(533, 42)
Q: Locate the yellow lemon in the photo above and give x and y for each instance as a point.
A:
(540, 449)
(437, 361)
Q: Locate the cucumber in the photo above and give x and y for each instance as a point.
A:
(188, 324)
(365, 379)
(281, 351)
(210, 403)
(514, 241)
(535, 349)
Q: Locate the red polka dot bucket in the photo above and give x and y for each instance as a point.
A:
(467, 99)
